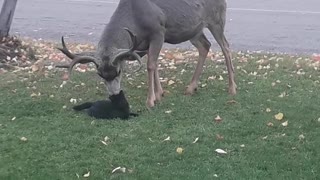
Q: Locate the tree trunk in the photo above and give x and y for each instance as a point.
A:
(6, 16)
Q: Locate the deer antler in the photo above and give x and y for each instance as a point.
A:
(75, 58)
(128, 52)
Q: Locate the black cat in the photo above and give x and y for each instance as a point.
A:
(116, 107)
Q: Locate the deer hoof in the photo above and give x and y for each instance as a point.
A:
(150, 103)
(190, 90)
(232, 90)
(159, 96)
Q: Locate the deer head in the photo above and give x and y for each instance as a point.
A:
(108, 67)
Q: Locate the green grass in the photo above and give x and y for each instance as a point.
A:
(62, 143)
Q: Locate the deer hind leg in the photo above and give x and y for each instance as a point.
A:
(154, 86)
(203, 46)
(157, 85)
(217, 32)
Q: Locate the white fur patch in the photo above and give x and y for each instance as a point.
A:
(114, 86)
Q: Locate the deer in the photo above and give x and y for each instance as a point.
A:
(140, 28)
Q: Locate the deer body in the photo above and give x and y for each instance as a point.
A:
(149, 24)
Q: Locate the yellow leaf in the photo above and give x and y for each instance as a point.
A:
(171, 82)
(179, 150)
(270, 124)
(279, 116)
(285, 124)
(23, 139)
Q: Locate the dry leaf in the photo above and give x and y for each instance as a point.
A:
(279, 116)
(170, 82)
(301, 137)
(196, 140)
(23, 139)
(115, 169)
(219, 137)
(268, 110)
(265, 137)
(74, 101)
(220, 151)
(77, 175)
(168, 112)
(285, 124)
(105, 143)
(218, 119)
(179, 150)
(220, 78)
(87, 174)
(106, 138)
(270, 124)
(282, 95)
(231, 102)
(14, 118)
(65, 76)
(242, 145)
(167, 139)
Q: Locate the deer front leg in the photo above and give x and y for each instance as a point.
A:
(203, 46)
(157, 85)
(154, 86)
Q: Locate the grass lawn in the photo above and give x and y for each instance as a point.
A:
(42, 140)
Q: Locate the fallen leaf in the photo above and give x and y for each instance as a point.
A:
(65, 76)
(106, 138)
(14, 118)
(23, 139)
(167, 139)
(64, 107)
(220, 151)
(118, 168)
(77, 175)
(282, 95)
(105, 143)
(196, 140)
(220, 78)
(242, 145)
(219, 137)
(74, 101)
(285, 124)
(170, 82)
(218, 119)
(87, 174)
(168, 112)
(179, 150)
(268, 110)
(279, 116)
(301, 137)
(265, 137)
(270, 124)
(231, 102)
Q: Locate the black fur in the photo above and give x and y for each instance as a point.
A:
(116, 107)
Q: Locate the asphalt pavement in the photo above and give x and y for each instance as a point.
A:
(289, 26)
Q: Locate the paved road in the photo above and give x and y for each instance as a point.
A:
(291, 26)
